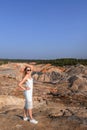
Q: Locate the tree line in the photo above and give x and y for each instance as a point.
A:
(56, 62)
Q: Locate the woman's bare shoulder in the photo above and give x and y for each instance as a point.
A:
(25, 77)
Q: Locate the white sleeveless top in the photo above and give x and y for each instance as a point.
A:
(29, 83)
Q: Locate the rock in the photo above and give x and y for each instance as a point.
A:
(11, 101)
(78, 83)
(60, 97)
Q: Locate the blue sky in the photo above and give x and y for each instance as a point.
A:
(43, 29)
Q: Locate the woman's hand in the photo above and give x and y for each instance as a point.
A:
(21, 89)
(27, 88)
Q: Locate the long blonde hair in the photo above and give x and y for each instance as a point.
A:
(25, 71)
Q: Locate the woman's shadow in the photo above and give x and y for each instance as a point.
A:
(21, 117)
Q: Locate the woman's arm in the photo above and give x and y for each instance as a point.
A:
(30, 66)
(21, 83)
(26, 65)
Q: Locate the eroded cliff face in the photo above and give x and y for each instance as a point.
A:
(60, 97)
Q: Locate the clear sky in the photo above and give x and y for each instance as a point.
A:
(43, 29)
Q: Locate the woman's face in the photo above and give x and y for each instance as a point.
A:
(28, 70)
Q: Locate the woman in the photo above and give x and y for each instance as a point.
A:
(28, 91)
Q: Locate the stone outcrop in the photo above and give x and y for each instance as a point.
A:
(60, 97)
(77, 82)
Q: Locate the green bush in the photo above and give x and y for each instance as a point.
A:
(56, 62)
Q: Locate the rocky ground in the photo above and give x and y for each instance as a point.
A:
(60, 98)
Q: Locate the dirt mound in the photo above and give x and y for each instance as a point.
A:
(60, 97)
